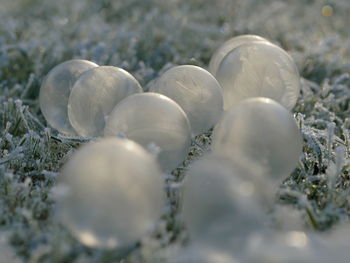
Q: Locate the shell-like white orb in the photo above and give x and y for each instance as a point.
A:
(153, 119)
(259, 69)
(196, 91)
(95, 94)
(112, 193)
(262, 132)
(55, 90)
(220, 205)
(227, 47)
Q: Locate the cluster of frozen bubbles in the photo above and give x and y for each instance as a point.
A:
(112, 188)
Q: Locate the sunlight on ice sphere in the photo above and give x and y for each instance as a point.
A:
(220, 205)
(153, 119)
(258, 69)
(95, 94)
(262, 132)
(112, 193)
(196, 91)
(55, 90)
(227, 47)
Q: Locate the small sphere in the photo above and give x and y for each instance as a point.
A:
(112, 193)
(153, 119)
(261, 132)
(196, 91)
(220, 204)
(55, 90)
(259, 69)
(227, 47)
(95, 94)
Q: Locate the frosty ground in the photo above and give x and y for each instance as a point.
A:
(147, 37)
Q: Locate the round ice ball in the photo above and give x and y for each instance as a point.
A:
(260, 131)
(153, 120)
(111, 193)
(95, 94)
(220, 204)
(258, 69)
(196, 91)
(55, 90)
(227, 47)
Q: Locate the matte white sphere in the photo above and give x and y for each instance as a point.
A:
(259, 69)
(95, 94)
(112, 193)
(196, 91)
(153, 119)
(261, 132)
(55, 90)
(220, 204)
(227, 47)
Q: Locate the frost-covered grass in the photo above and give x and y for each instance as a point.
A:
(146, 37)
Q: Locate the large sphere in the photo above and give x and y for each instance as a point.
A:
(258, 69)
(153, 119)
(220, 204)
(55, 90)
(260, 131)
(112, 193)
(95, 94)
(196, 91)
(227, 47)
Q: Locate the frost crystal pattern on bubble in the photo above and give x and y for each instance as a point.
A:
(258, 69)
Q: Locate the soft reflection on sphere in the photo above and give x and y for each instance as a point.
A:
(259, 69)
(197, 253)
(262, 132)
(113, 193)
(55, 90)
(227, 47)
(95, 94)
(285, 247)
(153, 119)
(220, 205)
(196, 91)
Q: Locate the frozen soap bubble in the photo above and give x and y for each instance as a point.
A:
(111, 193)
(153, 119)
(227, 47)
(220, 205)
(95, 94)
(55, 90)
(259, 69)
(196, 91)
(262, 132)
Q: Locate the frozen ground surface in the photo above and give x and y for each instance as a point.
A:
(146, 37)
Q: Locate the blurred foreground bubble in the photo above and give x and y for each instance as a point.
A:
(258, 69)
(95, 94)
(55, 90)
(221, 203)
(196, 91)
(7, 254)
(113, 193)
(151, 118)
(229, 46)
(260, 131)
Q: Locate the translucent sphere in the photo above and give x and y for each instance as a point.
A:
(95, 94)
(196, 91)
(111, 193)
(260, 131)
(55, 90)
(153, 119)
(220, 205)
(258, 69)
(227, 47)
